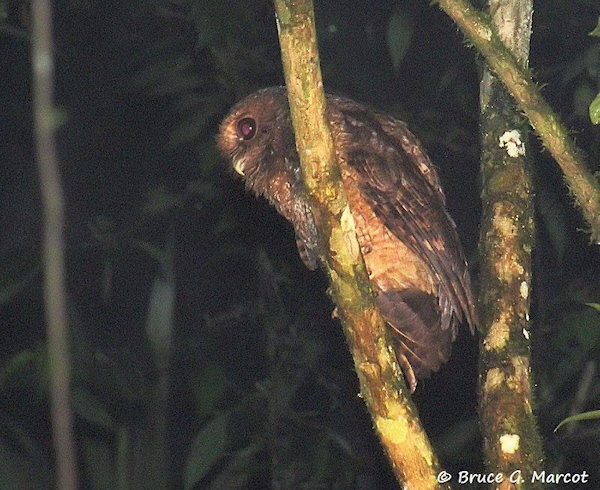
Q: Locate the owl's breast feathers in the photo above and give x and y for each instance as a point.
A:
(408, 241)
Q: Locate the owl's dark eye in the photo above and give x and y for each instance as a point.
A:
(246, 128)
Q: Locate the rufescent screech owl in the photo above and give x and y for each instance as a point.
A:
(408, 240)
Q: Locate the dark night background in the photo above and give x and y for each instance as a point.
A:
(261, 389)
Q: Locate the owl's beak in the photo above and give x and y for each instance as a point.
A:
(238, 166)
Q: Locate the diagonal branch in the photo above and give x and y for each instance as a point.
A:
(381, 382)
(518, 80)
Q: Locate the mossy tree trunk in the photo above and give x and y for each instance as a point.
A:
(512, 444)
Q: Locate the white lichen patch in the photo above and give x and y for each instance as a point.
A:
(485, 33)
(509, 443)
(498, 334)
(506, 226)
(508, 268)
(511, 140)
(347, 222)
(524, 290)
(493, 380)
(343, 239)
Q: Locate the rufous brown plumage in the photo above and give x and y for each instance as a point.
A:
(408, 240)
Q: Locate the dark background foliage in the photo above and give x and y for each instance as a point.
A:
(260, 389)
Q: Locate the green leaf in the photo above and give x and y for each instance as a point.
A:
(16, 365)
(98, 463)
(91, 410)
(596, 306)
(583, 329)
(239, 468)
(19, 268)
(208, 388)
(22, 443)
(163, 70)
(178, 84)
(596, 31)
(595, 110)
(160, 201)
(13, 286)
(594, 414)
(399, 34)
(208, 448)
(18, 471)
(190, 128)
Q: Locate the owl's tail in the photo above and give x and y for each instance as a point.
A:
(423, 345)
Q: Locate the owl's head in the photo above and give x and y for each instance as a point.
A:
(257, 138)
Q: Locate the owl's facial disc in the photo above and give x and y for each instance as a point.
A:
(246, 134)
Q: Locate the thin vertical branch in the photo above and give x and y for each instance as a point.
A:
(511, 439)
(53, 246)
(381, 384)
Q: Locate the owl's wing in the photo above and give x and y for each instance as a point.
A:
(398, 131)
(401, 184)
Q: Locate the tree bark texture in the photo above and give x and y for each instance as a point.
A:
(511, 438)
(381, 383)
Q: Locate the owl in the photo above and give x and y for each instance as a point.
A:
(408, 240)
